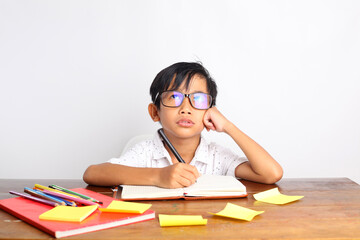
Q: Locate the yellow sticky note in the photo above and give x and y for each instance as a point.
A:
(275, 197)
(237, 212)
(126, 207)
(181, 220)
(68, 214)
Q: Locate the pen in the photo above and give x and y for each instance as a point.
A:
(36, 199)
(74, 193)
(168, 143)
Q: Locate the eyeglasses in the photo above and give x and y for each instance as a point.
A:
(198, 100)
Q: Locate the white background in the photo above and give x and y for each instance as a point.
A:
(75, 78)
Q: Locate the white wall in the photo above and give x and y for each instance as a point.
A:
(288, 75)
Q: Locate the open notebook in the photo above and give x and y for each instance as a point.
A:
(206, 187)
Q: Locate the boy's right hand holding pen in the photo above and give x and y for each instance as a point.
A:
(178, 175)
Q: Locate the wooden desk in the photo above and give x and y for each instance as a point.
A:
(329, 210)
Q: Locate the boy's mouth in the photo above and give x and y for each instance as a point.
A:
(185, 122)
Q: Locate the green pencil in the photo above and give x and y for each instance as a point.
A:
(74, 193)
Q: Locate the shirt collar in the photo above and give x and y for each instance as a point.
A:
(201, 153)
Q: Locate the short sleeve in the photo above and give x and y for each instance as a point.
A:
(134, 157)
(236, 162)
(227, 160)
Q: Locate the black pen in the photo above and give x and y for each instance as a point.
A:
(168, 143)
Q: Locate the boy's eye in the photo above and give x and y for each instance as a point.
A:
(174, 96)
(198, 98)
(201, 97)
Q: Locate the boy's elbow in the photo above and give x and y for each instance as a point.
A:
(87, 175)
(275, 176)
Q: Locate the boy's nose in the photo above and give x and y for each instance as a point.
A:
(185, 107)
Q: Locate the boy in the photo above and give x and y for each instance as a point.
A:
(183, 101)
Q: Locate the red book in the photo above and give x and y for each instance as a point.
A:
(29, 211)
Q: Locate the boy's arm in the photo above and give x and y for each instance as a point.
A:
(261, 167)
(108, 174)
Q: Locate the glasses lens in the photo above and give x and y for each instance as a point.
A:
(172, 98)
(201, 100)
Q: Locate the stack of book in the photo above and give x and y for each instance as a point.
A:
(63, 212)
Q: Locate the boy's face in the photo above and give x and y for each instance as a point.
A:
(184, 121)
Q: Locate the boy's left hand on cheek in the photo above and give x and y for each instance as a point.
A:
(214, 120)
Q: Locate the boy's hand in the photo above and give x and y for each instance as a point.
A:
(214, 120)
(177, 176)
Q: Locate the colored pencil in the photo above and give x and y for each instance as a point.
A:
(36, 199)
(41, 187)
(75, 199)
(39, 194)
(74, 193)
(66, 202)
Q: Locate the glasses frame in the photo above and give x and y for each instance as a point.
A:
(185, 95)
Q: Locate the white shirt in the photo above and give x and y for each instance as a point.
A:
(209, 158)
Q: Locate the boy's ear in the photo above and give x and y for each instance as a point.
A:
(153, 112)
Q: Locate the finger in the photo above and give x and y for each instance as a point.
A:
(192, 169)
(175, 184)
(209, 125)
(190, 174)
(185, 181)
(196, 172)
(207, 117)
(184, 175)
(172, 173)
(207, 129)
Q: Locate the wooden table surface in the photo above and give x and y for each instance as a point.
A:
(329, 210)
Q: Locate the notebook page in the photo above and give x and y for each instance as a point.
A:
(215, 185)
(131, 192)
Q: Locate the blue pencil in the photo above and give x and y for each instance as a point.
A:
(56, 199)
(39, 194)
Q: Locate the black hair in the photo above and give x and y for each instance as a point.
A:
(182, 71)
